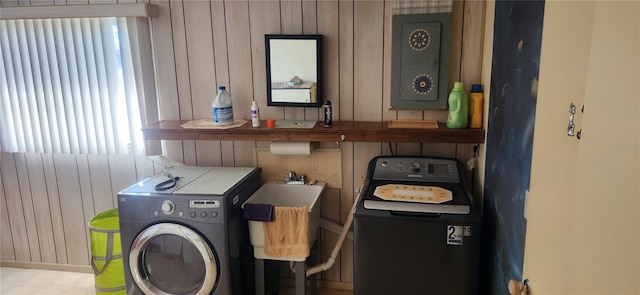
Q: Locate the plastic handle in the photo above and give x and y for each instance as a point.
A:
(459, 105)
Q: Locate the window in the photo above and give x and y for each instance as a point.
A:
(74, 85)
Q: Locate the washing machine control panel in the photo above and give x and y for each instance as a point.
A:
(200, 210)
(418, 169)
(204, 204)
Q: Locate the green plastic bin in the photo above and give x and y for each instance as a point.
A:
(106, 253)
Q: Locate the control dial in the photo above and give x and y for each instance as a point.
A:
(415, 167)
(168, 207)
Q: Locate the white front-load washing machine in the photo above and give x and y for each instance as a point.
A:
(182, 232)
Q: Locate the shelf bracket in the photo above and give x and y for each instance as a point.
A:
(342, 139)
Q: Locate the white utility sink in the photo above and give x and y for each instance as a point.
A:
(280, 194)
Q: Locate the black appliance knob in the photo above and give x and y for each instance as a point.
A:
(415, 167)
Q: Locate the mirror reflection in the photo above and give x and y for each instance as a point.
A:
(294, 70)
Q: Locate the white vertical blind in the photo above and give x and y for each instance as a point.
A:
(68, 86)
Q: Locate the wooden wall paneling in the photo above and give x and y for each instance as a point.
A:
(105, 1)
(41, 209)
(27, 206)
(368, 60)
(14, 208)
(201, 65)
(327, 239)
(346, 262)
(330, 204)
(471, 57)
(263, 144)
(8, 3)
(439, 150)
(343, 110)
(330, 210)
(103, 193)
(347, 196)
(55, 208)
(291, 17)
(228, 154)
(408, 149)
(173, 149)
(69, 2)
(472, 42)
(221, 59)
(363, 153)
(309, 17)
(183, 79)
(345, 200)
(220, 47)
(88, 207)
(182, 74)
(123, 174)
(189, 156)
(265, 19)
(158, 168)
(464, 152)
(41, 3)
(349, 185)
(166, 74)
(240, 66)
(6, 240)
(343, 107)
(368, 78)
(144, 168)
(455, 61)
(327, 242)
(208, 153)
(73, 219)
(328, 26)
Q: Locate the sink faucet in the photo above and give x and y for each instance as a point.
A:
(292, 178)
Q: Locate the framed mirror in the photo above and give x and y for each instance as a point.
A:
(294, 70)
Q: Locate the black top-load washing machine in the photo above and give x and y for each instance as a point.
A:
(182, 232)
(416, 229)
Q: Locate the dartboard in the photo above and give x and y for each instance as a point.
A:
(419, 39)
(422, 84)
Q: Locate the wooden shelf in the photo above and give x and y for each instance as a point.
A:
(352, 131)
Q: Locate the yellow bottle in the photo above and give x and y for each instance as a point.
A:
(476, 103)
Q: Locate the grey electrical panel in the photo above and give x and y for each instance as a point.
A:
(420, 61)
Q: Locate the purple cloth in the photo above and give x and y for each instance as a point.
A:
(259, 212)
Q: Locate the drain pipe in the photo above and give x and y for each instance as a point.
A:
(343, 235)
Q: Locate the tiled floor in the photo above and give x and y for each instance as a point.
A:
(18, 281)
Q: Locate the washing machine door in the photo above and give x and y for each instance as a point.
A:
(169, 258)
